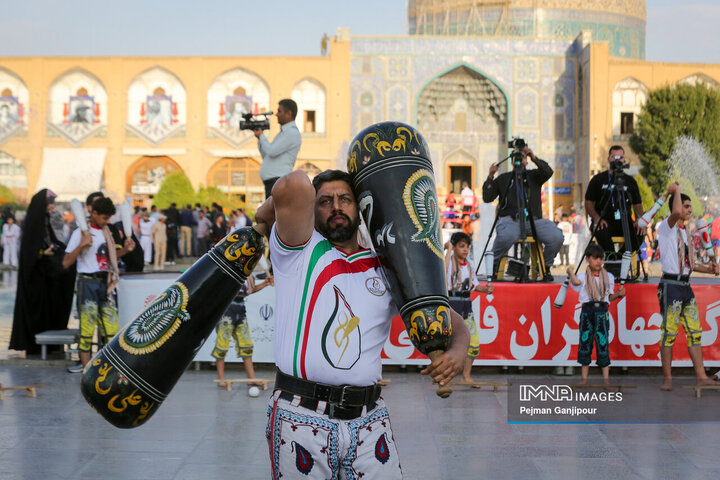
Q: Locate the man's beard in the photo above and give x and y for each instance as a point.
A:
(340, 233)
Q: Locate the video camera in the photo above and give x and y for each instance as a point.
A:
(517, 144)
(617, 165)
(249, 123)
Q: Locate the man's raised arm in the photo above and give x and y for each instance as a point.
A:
(292, 207)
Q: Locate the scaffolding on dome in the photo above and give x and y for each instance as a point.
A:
(460, 17)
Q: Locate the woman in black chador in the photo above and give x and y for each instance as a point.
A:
(44, 290)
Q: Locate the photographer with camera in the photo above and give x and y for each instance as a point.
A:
(508, 229)
(603, 206)
(280, 155)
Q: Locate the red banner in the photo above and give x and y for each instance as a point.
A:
(518, 325)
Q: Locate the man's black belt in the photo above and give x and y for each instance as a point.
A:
(677, 277)
(594, 304)
(459, 294)
(344, 402)
(96, 275)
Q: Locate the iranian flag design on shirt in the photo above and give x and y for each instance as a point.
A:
(333, 312)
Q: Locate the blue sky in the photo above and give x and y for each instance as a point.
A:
(686, 31)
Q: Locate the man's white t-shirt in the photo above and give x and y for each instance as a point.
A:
(583, 296)
(96, 258)
(468, 197)
(567, 230)
(333, 312)
(668, 246)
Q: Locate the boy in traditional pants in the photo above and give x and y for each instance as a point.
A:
(595, 287)
(461, 280)
(234, 325)
(677, 300)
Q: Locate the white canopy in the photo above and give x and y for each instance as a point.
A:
(72, 172)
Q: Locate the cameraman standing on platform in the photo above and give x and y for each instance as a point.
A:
(508, 226)
(280, 155)
(609, 217)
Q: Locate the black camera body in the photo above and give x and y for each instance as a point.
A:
(618, 166)
(250, 123)
(517, 143)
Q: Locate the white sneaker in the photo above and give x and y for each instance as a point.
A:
(569, 371)
(77, 368)
(559, 371)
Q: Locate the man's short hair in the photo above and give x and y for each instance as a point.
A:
(330, 176)
(198, 205)
(458, 237)
(290, 105)
(103, 206)
(616, 147)
(565, 215)
(92, 197)
(683, 198)
(595, 251)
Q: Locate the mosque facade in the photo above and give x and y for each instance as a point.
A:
(568, 76)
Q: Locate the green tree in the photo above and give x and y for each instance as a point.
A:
(175, 188)
(648, 199)
(206, 196)
(6, 195)
(670, 112)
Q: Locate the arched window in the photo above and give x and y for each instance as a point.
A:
(629, 96)
(145, 176)
(700, 78)
(240, 177)
(310, 97)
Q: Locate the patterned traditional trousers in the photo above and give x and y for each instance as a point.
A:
(594, 324)
(95, 309)
(463, 306)
(233, 324)
(309, 445)
(678, 306)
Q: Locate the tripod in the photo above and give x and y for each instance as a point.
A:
(524, 217)
(616, 197)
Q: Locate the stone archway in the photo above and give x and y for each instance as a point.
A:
(463, 109)
(145, 176)
(238, 177)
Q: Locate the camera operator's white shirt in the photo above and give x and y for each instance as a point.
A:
(280, 155)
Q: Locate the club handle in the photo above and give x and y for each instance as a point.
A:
(560, 297)
(443, 391)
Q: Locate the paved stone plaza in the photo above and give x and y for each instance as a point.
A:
(203, 432)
